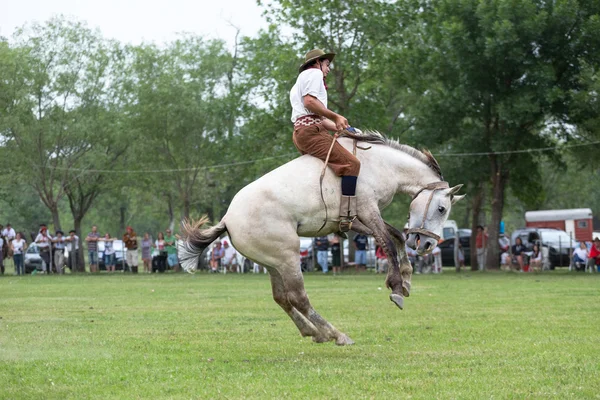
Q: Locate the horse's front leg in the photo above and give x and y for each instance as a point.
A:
(405, 270)
(371, 223)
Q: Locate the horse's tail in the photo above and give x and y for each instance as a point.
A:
(194, 240)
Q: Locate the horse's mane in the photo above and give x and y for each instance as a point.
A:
(424, 155)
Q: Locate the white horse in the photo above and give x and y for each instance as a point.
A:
(266, 218)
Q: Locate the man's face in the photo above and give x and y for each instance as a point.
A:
(94, 228)
(168, 232)
(325, 66)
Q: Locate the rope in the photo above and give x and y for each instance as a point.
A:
(335, 136)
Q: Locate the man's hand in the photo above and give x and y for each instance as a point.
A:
(340, 122)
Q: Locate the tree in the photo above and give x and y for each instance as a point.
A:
(56, 69)
(508, 70)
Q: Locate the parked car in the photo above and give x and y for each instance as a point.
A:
(447, 247)
(32, 260)
(558, 243)
(306, 254)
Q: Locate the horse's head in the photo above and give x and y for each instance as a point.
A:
(429, 211)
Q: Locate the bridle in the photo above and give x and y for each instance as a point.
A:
(433, 187)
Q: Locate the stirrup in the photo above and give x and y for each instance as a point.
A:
(346, 223)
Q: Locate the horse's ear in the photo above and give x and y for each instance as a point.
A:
(455, 189)
(457, 198)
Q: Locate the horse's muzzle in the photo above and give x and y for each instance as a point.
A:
(423, 244)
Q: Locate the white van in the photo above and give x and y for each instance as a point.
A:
(450, 229)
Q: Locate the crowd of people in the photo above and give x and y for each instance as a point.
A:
(323, 245)
(522, 259)
(59, 251)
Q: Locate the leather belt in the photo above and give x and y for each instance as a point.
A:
(308, 120)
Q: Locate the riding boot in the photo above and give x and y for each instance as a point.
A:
(347, 212)
(348, 203)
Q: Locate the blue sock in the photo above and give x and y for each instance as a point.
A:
(349, 185)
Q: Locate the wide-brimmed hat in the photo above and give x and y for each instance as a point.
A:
(316, 54)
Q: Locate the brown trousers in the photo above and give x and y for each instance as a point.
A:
(315, 140)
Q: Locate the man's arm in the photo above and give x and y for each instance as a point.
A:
(313, 104)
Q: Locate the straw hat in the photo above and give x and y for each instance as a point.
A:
(316, 54)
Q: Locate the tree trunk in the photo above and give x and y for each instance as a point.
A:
(499, 179)
(186, 206)
(80, 258)
(55, 218)
(122, 220)
(476, 204)
(170, 212)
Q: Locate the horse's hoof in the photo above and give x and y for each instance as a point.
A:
(344, 340)
(406, 288)
(398, 300)
(320, 339)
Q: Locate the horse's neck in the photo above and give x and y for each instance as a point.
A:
(403, 173)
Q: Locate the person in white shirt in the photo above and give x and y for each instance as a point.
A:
(312, 120)
(9, 233)
(437, 260)
(59, 251)
(43, 241)
(73, 249)
(535, 261)
(230, 259)
(580, 255)
(18, 246)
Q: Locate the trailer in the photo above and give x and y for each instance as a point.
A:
(577, 222)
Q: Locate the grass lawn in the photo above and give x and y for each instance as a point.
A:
(461, 336)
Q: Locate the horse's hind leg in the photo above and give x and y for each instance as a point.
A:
(305, 327)
(297, 298)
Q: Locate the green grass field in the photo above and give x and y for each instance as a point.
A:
(461, 336)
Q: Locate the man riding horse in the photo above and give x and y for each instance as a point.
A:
(266, 218)
(312, 120)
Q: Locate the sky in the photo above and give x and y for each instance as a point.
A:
(135, 21)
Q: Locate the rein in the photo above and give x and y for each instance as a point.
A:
(433, 187)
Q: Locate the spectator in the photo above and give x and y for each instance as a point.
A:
(18, 248)
(131, 243)
(59, 252)
(109, 253)
(360, 255)
(535, 263)
(92, 245)
(230, 257)
(336, 260)
(594, 256)
(43, 242)
(3, 252)
(73, 251)
(9, 233)
(382, 261)
(580, 256)
(517, 251)
(504, 244)
(161, 246)
(412, 255)
(437, 260)
(461, 257)
(481, 241)
(216, 257)
(171, 242)
(322, 246)
(147, 253)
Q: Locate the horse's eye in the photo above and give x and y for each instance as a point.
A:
(441, 209)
